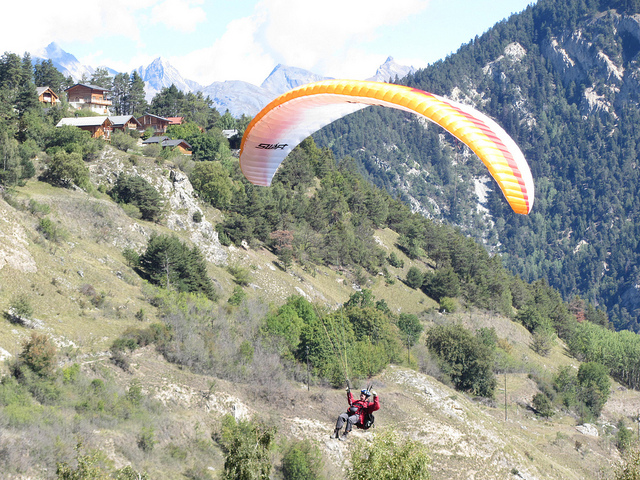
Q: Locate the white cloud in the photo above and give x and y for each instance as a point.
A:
(235, 55)
(303, 33)
(70, 21)
(327, 37)
(181, 15)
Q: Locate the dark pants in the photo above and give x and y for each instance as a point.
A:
(350, 419)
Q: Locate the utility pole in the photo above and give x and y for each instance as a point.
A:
(306, 349)
(505, 395)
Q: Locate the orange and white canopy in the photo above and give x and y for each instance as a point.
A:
(293, 116)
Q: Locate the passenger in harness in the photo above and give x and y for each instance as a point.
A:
(357, 413)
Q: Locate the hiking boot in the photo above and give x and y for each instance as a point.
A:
(343, 437)
(335, 434)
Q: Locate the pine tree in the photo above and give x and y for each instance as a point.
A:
(46, 75)
(137, 103)
(120, 94)
(102, 78)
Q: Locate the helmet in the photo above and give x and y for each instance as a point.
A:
(365, 391)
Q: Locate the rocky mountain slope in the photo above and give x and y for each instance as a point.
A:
(562, 78)
(467, 438)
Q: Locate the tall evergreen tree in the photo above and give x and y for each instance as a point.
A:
(120, 94)
(169, 102)
(45, 74)
(137, 103)
(27, 97)
(102, 78)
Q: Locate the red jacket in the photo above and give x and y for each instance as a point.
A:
(362, 406)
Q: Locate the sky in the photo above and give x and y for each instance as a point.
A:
(217, 40)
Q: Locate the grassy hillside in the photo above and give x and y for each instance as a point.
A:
(84, 295)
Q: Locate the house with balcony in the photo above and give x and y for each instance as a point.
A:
(91, 97)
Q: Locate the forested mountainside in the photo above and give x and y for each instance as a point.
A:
(563, 78)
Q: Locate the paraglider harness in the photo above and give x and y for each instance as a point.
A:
(369, 418)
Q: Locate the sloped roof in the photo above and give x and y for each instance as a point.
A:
(155, 140)
(175, 143)
(154, 116)
(41, 90)
(165, 141)
(92, 87)
(83, 121)
(119, 120)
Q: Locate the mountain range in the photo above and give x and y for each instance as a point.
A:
(562, 78)
(236, 96)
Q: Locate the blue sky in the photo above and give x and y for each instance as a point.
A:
(217, 40)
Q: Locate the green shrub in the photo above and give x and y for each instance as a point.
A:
(630, 467)
(395, 261)
(212, 181)
(624, 436)
(223, 238)
(122, 141)
(66, 170)
(237, 296)
(389, 457)
(302, 461)
(444, 282)
(36, 208)
(543, 405)
(246, 447)
(131, 257)
(241, 275)
(414, 278)
(135, 190)
(88, 467)
(39, 354)
(70, 374)
(152, 150)
(69, 139)
(51, 231)
(595, 386)
(22, 306)
(172, 264)
(465, 358)
(146, 439)
(542, 340)
(134, 393)
(448, 305)
(410, 328)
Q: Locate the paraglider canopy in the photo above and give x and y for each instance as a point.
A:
(293, 116)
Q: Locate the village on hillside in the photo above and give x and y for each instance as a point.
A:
(95, 99)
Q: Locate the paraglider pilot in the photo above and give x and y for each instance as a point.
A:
(356, 413)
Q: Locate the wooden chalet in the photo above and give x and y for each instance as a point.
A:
(125, 123)
(46, 95)
(97, 126)
(166, 142)
(159, 124)
(92, 97)
(181, 145)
